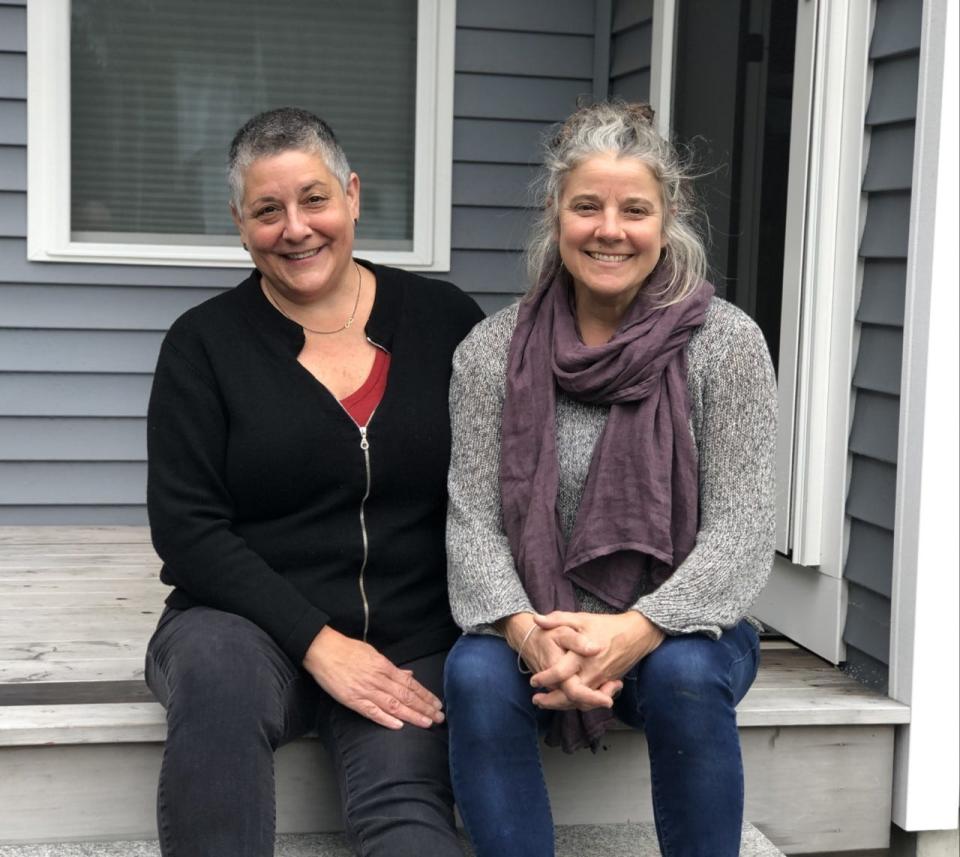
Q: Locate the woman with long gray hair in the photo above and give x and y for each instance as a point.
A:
(298, 443)
(611, 503)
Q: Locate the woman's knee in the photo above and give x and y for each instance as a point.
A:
(211, 661)
(482, 685)
(475, 665)
(685, 670)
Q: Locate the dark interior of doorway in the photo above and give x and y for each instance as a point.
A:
(733, 90)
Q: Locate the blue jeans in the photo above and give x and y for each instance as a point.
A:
(232, 698)
(683, 695)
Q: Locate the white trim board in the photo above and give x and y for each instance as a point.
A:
(806, 606)
(663, 51)
(924, 659)
(48, 166)
(792, 285)
(821, 286)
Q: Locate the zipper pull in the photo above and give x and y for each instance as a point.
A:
(364, 443)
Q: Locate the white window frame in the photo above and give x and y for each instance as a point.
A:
(48, 144)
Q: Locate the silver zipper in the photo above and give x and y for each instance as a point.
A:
(365, 446)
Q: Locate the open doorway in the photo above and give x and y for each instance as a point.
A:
(732, 98)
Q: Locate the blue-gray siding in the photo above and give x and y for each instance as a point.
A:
(78, 342)
(894, 56)
(630, 48)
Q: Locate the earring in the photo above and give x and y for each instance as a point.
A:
(244, 245)
(356, 220)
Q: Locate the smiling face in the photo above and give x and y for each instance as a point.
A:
(298, 222)
(610, 229)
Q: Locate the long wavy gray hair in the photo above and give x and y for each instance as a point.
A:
(627, 131)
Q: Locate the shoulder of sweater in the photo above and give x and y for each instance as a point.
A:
(493, 334)
(726, 327)
(431, 294)
(482, 356)
(210, 317)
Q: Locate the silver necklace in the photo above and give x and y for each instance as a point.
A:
(345, 325)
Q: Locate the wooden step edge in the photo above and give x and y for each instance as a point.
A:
(98, 723)
(807, 707)
(60, 534)
(895, 714)
(119, 723)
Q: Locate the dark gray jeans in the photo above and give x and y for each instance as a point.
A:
(232, 698)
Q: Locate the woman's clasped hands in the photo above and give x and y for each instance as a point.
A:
(579, 659)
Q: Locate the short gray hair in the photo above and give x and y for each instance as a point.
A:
(282, 130)
(627, 131)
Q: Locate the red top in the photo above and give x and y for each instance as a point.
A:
(363, 402)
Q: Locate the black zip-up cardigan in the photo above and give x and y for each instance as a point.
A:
(256, 474)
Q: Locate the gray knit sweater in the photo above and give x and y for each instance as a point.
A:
(733, 421)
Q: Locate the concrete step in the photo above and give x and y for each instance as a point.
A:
(602, 840)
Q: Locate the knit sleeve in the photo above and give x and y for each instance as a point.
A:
(191, 511)
(714, 587)
(483, 581)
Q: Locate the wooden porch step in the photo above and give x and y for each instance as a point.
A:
(81, 742)
(609, 840)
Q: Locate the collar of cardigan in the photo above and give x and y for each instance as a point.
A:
(289, 336)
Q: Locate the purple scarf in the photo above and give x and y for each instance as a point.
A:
(638, 516)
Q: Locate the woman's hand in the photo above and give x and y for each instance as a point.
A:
(562, 648)
(622, 639)
(356, 675)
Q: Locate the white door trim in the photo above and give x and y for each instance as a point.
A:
(822, 273)
(821, 288)
(662, 57)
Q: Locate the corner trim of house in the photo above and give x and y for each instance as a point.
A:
(924, 661)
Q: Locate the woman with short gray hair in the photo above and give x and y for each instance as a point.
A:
(611, 503)
(298, 443)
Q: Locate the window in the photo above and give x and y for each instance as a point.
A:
(131, 108)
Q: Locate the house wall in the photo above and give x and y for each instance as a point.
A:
(78, 342)
(894, 59)
(630, 49)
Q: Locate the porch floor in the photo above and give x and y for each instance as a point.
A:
(78, 604)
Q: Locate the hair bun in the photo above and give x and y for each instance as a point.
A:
(641, 110)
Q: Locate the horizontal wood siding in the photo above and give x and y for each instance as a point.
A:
(13, 27)
(520, 68)
(73, 394)
(78, 342)
(894, 56)
(630, 49)
(72, 439)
